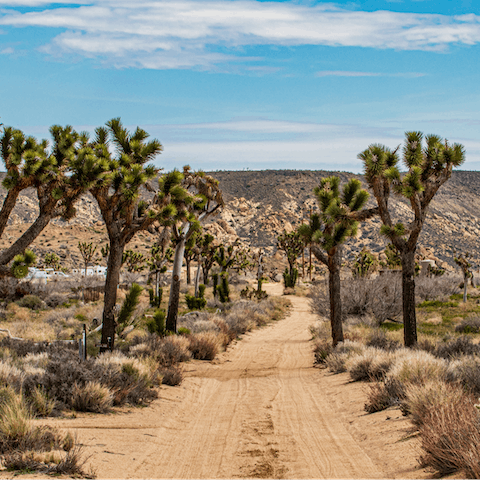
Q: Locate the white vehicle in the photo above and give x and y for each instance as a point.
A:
(36, 274)
(96, 270)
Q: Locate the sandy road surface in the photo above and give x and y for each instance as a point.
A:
(260, 411)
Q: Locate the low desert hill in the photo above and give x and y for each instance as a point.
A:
(261, 204)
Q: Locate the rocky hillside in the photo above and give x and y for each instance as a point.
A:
(261, 204)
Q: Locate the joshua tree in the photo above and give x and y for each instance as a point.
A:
(87, 250)
(292, 244)
(117, 182)
(195, 196)
(365, 264)
(307, 232)
(52, 260)
(428, 168)
(207, 254)
(339, 215)
(465, 265)
(49, 172)
(191, 253)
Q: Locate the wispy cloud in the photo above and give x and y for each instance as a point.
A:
(341, 73)
(189, 33)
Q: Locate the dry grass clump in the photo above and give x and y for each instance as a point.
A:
(450, 437)
(11, 375)
(384, 394)
(417, 366)
(466, 372)
(26, 446)
(322, 350)
(372, 364)
(421, 399)
(337, 361)
(172, 376)
(457, 347)
(92, 397)
(204, 345)
(41, 405)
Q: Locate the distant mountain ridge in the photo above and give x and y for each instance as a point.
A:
(261, 204)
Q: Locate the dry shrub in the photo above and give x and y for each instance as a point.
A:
(379, 297)
(450, 437)
(204, 345)
(11, 375)
(421, 399)
(456, 348)
(379, 339)
(40, 403)
(171, 376)
(417, 366)
(91, 397)
(433, 288)
(372, 364)
(384, 394)
(129, 379)
(322, 349)
(466, 372)
(170, 350)
(337, 362)
(469, 325)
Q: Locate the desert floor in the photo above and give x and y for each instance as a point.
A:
(259, 410)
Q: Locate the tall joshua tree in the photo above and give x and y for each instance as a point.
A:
(195, 197)
(340, 213)
(118, 180)
(48, 171)
(429, 165)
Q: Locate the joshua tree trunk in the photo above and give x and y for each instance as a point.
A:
(26, 239)
(171, 322)
(197, 277)
(8, 206)
(408, 294)
(114, 265)
(465, 286)
(189, 276)
(334, 263)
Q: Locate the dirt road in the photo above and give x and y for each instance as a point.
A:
(261, 410)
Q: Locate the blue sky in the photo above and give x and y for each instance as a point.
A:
(247, 84)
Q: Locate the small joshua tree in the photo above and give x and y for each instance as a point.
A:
(340, 213)
(429, 165)
(52, 260)
(292, 244)
(365, 264)
(87, 251)
(465, 265)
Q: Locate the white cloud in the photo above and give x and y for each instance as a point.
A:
(341, 73)
(7, 51)
(157, 34)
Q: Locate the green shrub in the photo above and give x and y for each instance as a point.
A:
(155, 300)
(157, 323)
(31, 301)
(224, 289)
(184, 331)
(194, 303)
(290, 279)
